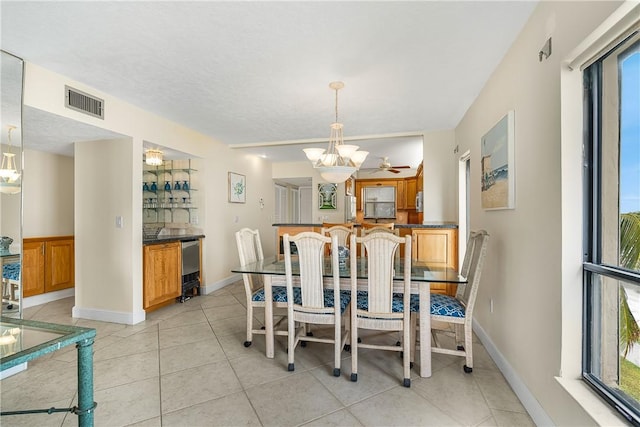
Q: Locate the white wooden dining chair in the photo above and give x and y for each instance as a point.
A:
(249, 251)
(455, 313)
(341, 232)
(378, 307)
(309, 301)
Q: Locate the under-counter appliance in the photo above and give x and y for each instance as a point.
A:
(380, 202)
(190, 268)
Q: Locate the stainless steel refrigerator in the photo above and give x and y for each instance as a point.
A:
(350, 209)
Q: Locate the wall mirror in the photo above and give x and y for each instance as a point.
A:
(11, 85)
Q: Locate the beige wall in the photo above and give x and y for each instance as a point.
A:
(522, 273)
(439, 177)
(48, 194)
(217, 218)
(107, 259)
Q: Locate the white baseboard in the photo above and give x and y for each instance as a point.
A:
(47, 297)
(124, 317)
(211, 287)
(137, 317)
(531, 404)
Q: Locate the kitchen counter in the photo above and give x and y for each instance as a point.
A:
(166, 239)
(429, 225)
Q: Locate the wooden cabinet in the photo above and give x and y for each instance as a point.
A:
(162, 274)
(47, 264)
(59, 266)
(438, 247)
(410, 190)
(32, 268)
(401, 196)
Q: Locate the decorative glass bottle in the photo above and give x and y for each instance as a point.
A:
(176, 186)
(145, 187)
(154, 187)
(185, 186)
(167, 186)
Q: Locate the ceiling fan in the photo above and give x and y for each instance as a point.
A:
(385, 165)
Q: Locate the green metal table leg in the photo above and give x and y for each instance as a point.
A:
(86, 405)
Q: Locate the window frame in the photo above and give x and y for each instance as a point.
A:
(592, 229)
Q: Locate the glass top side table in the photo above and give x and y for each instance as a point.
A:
(25, 340)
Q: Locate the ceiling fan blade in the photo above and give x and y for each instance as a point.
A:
(401, 167)
(393, 170)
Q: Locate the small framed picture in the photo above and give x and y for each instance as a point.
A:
(498, 166)
(237, 188)
(327, 196)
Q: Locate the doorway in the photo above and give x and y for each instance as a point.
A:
(464, 183)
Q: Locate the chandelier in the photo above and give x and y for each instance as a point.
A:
(9, 174)
(153, 157)
(340, 160)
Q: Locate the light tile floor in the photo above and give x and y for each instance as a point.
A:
(186, 366)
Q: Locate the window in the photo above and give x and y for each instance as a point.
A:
(611, 339)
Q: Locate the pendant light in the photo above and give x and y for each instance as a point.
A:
(9, 175)
(340, 160)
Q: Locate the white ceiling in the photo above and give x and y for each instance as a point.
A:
(258, 72)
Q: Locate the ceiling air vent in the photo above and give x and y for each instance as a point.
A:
(83, 102)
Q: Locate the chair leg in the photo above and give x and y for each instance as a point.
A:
(247, 343)
(354, 352)
(406, 359)
(414, 327)
(468, 347)
(291, 339)
(337, 343)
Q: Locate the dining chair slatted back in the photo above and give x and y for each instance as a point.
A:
(466, 263)
(250, 251)
(310, 301)
(343, 233)
(457, 312)
(368, 227)
(378, 306)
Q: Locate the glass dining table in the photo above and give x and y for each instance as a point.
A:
(422, 276)
(24, 340)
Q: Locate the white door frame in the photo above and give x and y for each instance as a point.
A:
(464, 175)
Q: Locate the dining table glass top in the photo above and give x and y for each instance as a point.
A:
(420, 272)
(24, 340)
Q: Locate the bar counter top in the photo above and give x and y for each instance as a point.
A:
(167, 239)
(428, 225)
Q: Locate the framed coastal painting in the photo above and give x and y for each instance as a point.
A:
(497, 165)
(237, 188)
(327, 196)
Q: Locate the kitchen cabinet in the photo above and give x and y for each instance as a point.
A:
(168, 193)
(47, 264)
(162, 274)
(401, 192)
(410, 191)
(438, 247)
